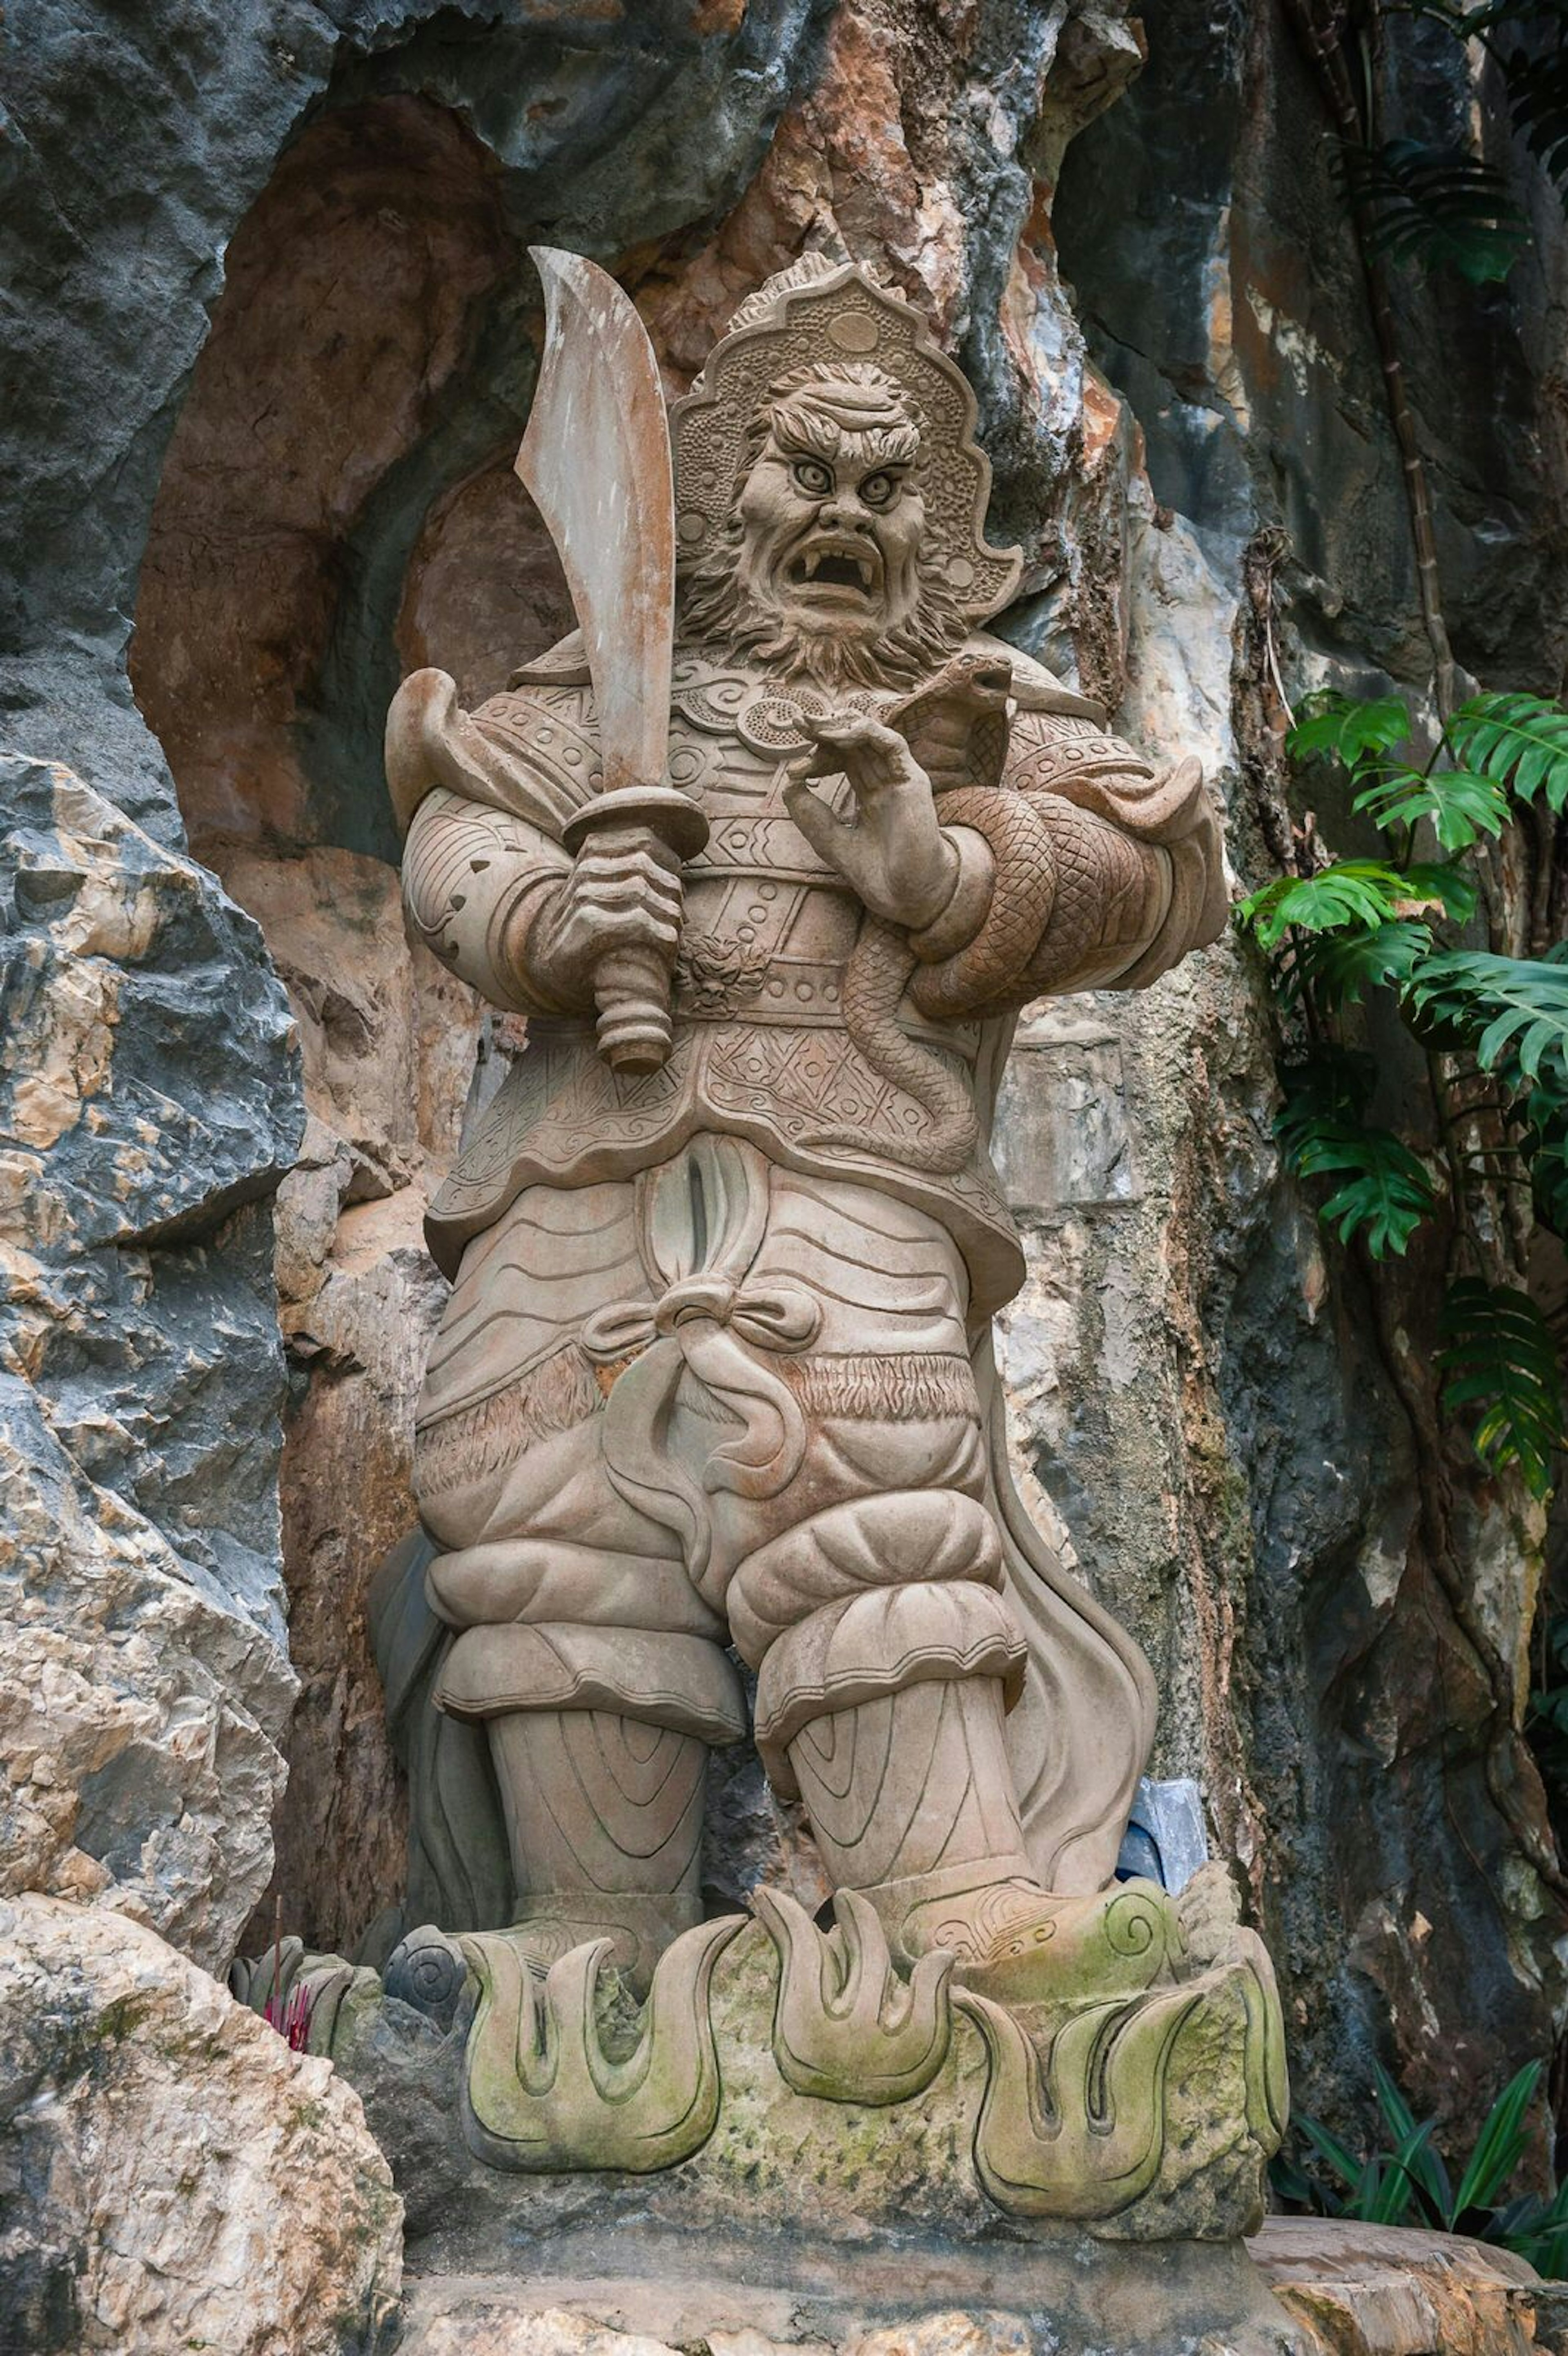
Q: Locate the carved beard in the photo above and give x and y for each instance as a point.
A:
(716, 610)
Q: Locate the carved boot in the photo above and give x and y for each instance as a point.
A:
(600, 1740)
(910, 1799)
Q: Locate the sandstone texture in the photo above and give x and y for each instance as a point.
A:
(176, 2178)
(1362, 2290)
(471, 2316)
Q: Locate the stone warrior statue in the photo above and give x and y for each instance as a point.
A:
(717, 1369)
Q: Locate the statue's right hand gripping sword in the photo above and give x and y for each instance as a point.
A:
(596, 459)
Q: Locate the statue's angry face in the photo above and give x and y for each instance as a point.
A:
(822, 567)
(832, 522)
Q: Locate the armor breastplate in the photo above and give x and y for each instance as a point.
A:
(761, 1046)
(770, 924)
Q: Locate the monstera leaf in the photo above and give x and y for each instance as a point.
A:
(1439, 205)
(1513, 1008)
(1351, 891)
(1383, 1191)
(1519, 741)
(1546, 1150)
(1501, 1362)
(1537, 82)
(1339, 968)
(1333, 724)
(1462, 804)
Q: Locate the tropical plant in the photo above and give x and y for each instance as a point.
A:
(1421, 196)
(1438, 205)
(1534, 69)
(1411, 2183)
(1351, 931)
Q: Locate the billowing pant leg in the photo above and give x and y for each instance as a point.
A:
(790, 1448)
(867, 1596)
(597, 1669)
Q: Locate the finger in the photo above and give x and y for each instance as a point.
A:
(621, 899)
(865, 731)
(845, 729)
(819, 825)
(823, 762)
(627, 892)
(624, 925)
(645, 863)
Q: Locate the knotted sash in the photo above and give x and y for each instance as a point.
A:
(700, 1223)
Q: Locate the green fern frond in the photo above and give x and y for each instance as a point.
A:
(1436, 206)
(1516, 1007)
(1500, 1360)
(1332, 724)
(1351, 891)
(1519, 741)
(1462, 804)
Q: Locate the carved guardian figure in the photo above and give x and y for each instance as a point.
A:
(716, 1369)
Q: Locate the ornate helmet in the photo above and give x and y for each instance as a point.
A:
(814, 315)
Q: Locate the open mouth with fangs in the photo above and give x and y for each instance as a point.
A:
(837, 566)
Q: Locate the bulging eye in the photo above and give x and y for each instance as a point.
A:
(814, 478)
(876, 490)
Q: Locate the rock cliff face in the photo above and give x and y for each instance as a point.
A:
(278, 339)
(176, 2176)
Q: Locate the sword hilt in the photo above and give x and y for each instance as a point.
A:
(631, 986)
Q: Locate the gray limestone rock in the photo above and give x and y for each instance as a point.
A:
(149, 1112)
(176, 2178)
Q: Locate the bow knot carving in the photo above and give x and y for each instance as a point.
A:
(780, 1316)
(709, 1320)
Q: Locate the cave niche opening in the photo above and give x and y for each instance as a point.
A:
(338, 504)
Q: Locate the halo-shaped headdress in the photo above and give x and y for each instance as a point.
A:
(813, 314)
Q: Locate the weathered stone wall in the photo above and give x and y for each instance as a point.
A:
(277, 344)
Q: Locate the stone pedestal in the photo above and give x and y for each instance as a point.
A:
(1066, 2297)
(787, 2139)
(1311, 2285)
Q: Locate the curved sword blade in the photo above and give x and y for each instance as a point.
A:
(596, 460)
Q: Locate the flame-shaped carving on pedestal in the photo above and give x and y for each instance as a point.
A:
(1267, 2071)
(540, 2093)
(1080, 2131)
(846, 2026)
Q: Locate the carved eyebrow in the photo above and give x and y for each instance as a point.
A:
(894, 446)
(803, 436)
(808, 434)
